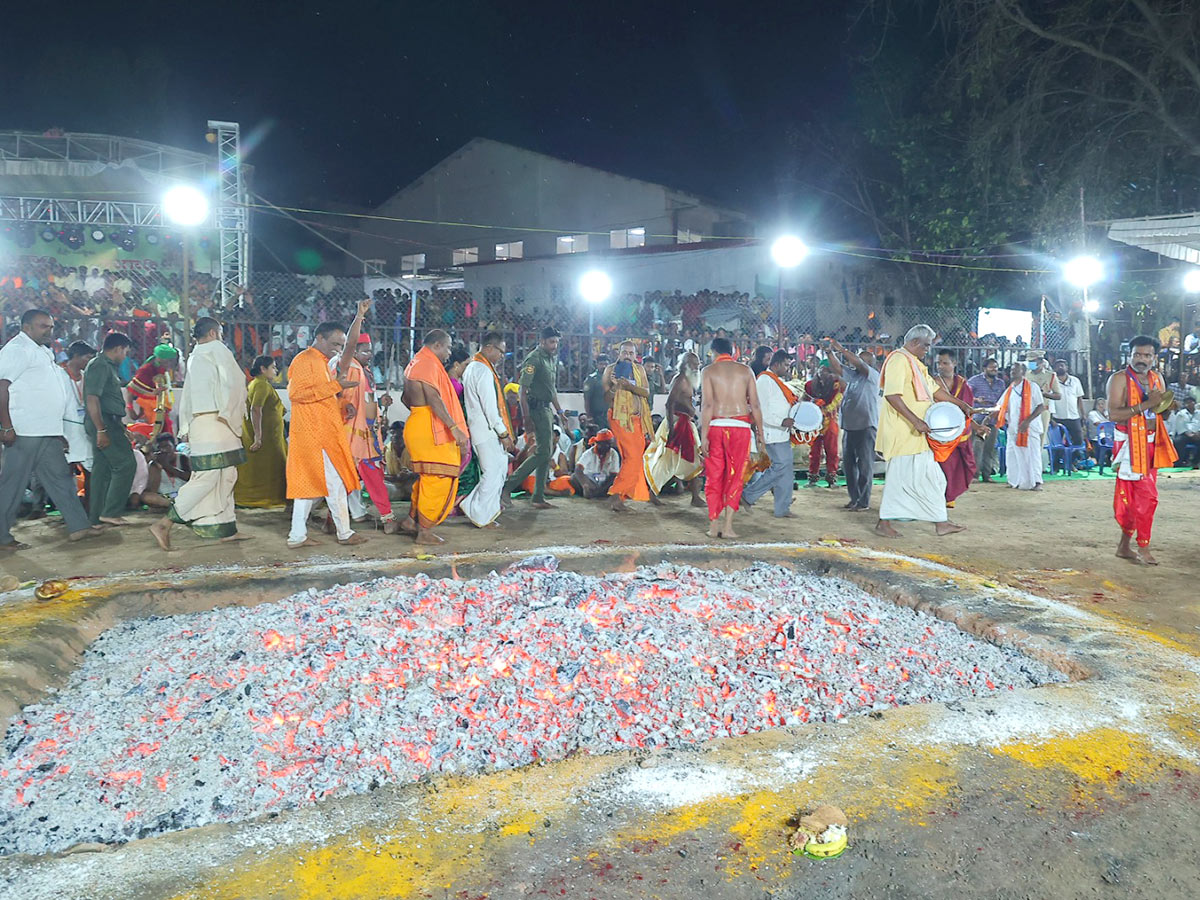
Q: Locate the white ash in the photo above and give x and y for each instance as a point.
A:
(221, 716)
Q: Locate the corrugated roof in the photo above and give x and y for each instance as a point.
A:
(1176, 237)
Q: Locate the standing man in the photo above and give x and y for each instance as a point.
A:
(538, 392)
(629, 420)
(435, 435)
(987, 387)
(826, 391)
(675, 451)
(114, 466)
(490, 428)
(148, 385)
(212, 408)
(33, 405)
(1043, 376)
(860, 419)
(958, 464)
(1141, 446)
(319, 461)
(361, 428)
(776, 400)
(594, 400)
(914, 487)
(1068, 409)
(1021, 409)
(1185, 432)
(728, 410)
(79, 448)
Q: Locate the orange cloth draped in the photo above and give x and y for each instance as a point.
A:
(630, 483)
(364, 442)
(943, 450)
(560, 485)
(1164, 449)
(920, 388)
(437, 467)
(316, 425)
(429, 370)
(1026, 409)
(479, 357)
(788, 394)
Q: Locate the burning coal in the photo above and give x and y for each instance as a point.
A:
(178, 722)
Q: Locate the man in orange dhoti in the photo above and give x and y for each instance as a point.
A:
(436, 436)
(628, 393)
(319, 462)
(1141, 447)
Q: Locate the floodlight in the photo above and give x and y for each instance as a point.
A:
(1191, 281)
(595, 286)
(788, 251)
(185, 205)
(1091, 306)
(1084, 271)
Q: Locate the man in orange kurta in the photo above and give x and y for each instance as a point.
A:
(436, 437)
(628, 390)
(319, 462)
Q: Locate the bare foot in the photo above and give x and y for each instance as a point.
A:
(328, 526)
(506, 502)
(728, 532)
(654, 501)
(162, 533)
(699, 502)
(115, 521)
(353, 540)
(14, 545)
(408, 526)
(307, 542)
(1124, 551)
(84, 534)
(714, 530)
(237, 537)
(884, 528)
(618, 505)
(390, 526)
(1145, 557)
(948, 527)
(426, 536)
(542, 504)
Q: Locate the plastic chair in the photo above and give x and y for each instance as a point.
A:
(1102, 446)
(1062, 453)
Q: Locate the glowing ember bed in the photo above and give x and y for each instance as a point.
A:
(215, 717)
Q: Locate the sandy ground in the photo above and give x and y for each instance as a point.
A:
(1097, 812)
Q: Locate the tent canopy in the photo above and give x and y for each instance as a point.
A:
(1176, 237)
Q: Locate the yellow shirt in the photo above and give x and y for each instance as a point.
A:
(896, 435)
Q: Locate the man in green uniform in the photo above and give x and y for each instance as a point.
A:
(114, 466)
(539, 392)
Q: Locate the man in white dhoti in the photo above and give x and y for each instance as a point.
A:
(211, 410)
(914, 487)
(675, 450)
(490, 428)
(1021, 408)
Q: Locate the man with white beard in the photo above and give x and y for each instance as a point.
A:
(674, 452)
(1021, 409)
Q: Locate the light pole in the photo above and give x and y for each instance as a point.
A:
(1083, 272)
(595, 287)
(186, 207)
(788, 251)
(1191, 285)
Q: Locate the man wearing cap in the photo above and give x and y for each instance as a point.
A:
(149, 382)
(597, 467)
(537, 396)
(914, 487)
(826, 391)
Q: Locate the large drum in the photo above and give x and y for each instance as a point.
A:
(945, 420)
(807, 419)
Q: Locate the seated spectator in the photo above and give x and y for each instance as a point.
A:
(597, 468)
(168, 472)
(1184, 428)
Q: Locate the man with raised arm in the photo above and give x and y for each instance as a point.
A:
(914, 488)
(860, 419)
(728, 411)
(1140, 448)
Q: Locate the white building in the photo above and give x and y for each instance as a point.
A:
(534, 206)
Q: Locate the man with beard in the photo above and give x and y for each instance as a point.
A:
(1021, 408)
(363, 409)
(776, 400)
(1141, 447)
(675, 452)
(728, 411)
(628, 390)
(597, 467)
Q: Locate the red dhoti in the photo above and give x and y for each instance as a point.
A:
(371, 473)
(827, 440)
(728, 449)
(1134, 503)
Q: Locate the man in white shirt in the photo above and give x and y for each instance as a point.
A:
(1067, 409)
(776, 400)
(94, 283)
(490, 428)
(597, 467)
(1184, 426)
(32, 402)
(1021, 409)
(1191, 343)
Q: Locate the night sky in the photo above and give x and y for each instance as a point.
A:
(352, 100)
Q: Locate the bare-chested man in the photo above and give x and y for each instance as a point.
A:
(675, 452)
(1141, 446)
(728, 410)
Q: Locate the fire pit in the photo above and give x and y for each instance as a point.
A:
(220, 716)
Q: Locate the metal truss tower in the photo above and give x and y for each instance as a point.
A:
(232, 212)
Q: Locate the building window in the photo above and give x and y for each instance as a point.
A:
(465, 255)
(622, 238)
(511, 250)
(414, 263)
(572, 243)
(687, 236)
(493, 295)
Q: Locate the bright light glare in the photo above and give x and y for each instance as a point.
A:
(1008, 323)
(184, 205)
(1084, 271)
(595, 286)
(1091, 306)
(788, 251)
(1191, 281)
